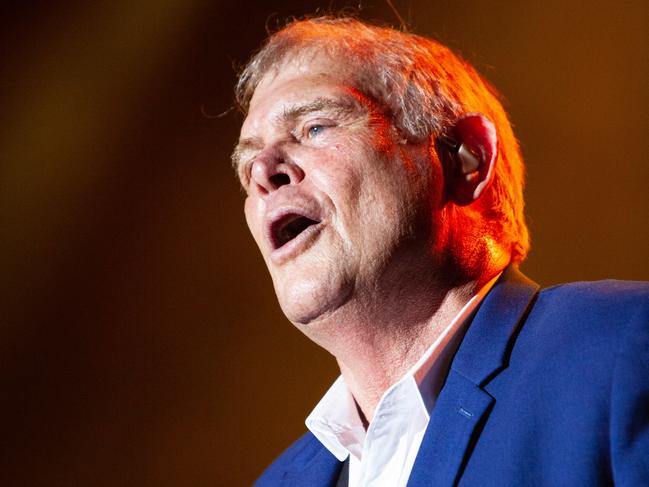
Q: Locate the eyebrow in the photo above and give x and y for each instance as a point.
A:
(341, 105)
(243, 146)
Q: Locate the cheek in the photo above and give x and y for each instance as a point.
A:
(335, 173)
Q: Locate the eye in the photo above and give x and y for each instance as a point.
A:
(314, 131)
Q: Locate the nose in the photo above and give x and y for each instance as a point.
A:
(272, 169)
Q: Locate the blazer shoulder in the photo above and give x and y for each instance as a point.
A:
(626, 297)
(607, 287)
(580, 318)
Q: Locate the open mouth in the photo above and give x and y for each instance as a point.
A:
(288, 227)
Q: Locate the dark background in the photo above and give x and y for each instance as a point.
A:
(140, 340)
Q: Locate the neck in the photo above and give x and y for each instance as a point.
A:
(381, 358)
(377, 338)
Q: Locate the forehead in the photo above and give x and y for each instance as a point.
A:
(293, 82)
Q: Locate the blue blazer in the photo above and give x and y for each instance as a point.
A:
(547, 388)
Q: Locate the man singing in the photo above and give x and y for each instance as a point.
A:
(385, 191)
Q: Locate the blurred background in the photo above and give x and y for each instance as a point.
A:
(140, 340)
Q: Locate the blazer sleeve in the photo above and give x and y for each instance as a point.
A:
(629, 434)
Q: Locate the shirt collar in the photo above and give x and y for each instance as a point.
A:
(335, 420)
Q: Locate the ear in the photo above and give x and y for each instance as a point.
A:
(468, 154)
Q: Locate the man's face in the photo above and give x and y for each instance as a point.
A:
(334, 200)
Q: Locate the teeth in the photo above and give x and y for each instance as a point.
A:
(292, 228)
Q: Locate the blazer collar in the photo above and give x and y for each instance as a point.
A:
(462, 403)
(484, 349)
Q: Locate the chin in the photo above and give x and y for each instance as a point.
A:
(309, 301)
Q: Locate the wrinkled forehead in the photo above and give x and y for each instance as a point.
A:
(296, 82)
(309, 66)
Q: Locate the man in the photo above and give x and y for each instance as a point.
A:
(384, 190)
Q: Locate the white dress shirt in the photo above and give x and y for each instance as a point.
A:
(385, 453)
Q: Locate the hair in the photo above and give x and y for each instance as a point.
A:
(424, 88)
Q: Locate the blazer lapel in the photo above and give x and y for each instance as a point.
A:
(315, 466)
(462, 404)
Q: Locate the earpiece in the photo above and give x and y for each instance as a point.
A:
(466, 159)
(468, 152)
